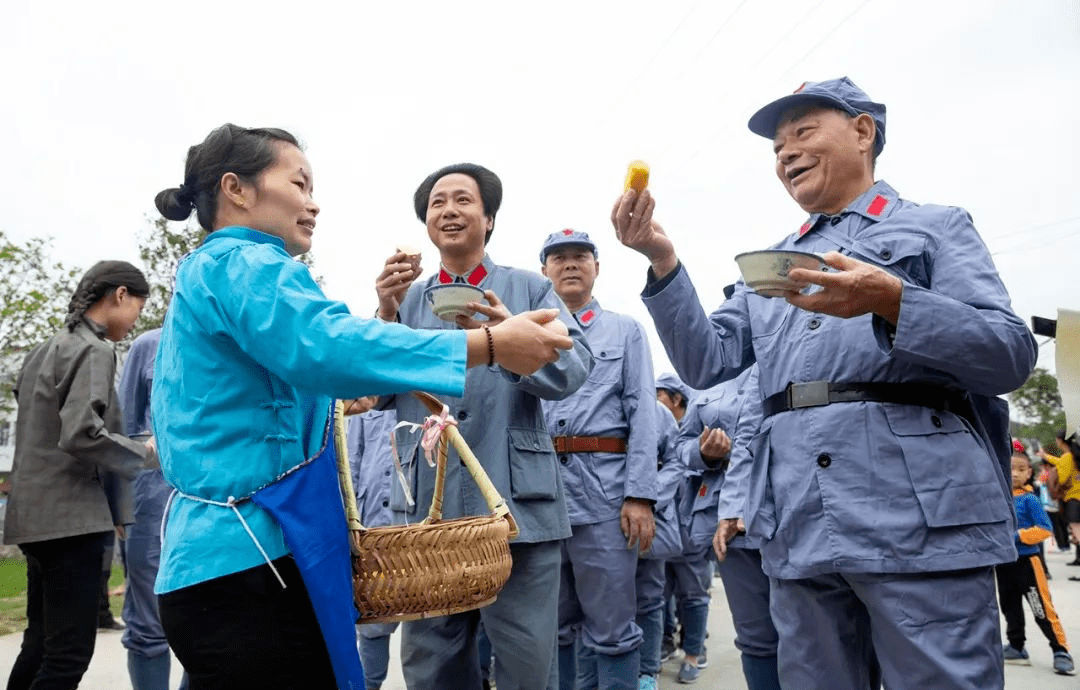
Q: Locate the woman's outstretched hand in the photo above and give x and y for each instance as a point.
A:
(523, 343)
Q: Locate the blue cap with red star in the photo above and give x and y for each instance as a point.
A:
(567, 237)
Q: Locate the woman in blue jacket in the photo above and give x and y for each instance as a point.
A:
(255, 561)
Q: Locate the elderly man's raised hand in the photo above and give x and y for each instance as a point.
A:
(852, 288)
(632, 217)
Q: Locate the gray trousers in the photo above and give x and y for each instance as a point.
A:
(746, 587)
(598, 595)
(912, 631)
(521, 624)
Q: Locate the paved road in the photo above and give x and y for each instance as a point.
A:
(108, 668)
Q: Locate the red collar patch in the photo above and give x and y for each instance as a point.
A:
(805, 228)
(877, 205)
(587, 316)
(474, 278)
(703, 490)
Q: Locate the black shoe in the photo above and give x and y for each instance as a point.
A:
(1075, 562)
(667, 649)
(111, 624)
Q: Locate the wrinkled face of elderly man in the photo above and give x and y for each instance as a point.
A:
(824, 157)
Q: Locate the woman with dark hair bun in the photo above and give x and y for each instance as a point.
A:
(67, 436)
(255, 583)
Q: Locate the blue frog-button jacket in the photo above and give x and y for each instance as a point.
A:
(869, 487)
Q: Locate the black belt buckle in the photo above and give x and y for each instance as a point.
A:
(809, 394)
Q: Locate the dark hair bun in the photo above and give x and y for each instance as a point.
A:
(174, 203)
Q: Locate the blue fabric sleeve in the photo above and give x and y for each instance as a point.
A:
(639, 410)
(732, 501)
(276, 312)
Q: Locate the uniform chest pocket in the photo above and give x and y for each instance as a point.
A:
(532, 465)
(607, 364)
(903, 255)
(955, 481)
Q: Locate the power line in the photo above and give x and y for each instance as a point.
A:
(826, 37)
(1029, 228)
(1030, 246)
(649, 63)
(717, 134)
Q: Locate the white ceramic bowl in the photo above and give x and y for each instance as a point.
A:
(448, 301)
(766, 272)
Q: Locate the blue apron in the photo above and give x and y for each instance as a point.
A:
(306, 502)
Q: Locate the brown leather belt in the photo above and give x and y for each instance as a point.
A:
(588, 444)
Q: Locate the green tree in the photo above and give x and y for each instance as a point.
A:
(34, 295)
(161, 246)
(1039, 403)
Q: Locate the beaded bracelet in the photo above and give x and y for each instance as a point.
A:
(491, 345)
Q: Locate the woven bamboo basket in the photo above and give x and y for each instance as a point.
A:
(435, 567)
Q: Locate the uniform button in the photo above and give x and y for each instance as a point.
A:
(603, 354)
(936, 421)
(563, 459)
(385, 503)
(835, 220)
(812, 324)
(386, 473)
(562, 422)
(536, 445)
(824, 460)
(462, 415)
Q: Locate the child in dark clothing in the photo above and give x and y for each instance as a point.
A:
(1026, 578)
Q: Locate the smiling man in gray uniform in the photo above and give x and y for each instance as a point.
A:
(872, 383)
(606, 438)
(501, 419)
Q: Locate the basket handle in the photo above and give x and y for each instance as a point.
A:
(491, 495)
(348, 493)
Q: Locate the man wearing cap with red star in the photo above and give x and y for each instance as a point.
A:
(881, 373)
(606, 438)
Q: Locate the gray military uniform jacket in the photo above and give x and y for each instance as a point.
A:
(68, 434)
(499, 417)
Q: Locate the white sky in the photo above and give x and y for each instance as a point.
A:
(103, 99)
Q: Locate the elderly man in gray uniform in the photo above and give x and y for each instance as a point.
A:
(873, 380)
(501, 419)
(606, 438)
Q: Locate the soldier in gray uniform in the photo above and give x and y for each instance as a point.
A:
(667, 543)
(734, 405)
(606, 438)
(873, 380)
(501, 419)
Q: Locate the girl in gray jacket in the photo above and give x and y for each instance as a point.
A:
(67, 434)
